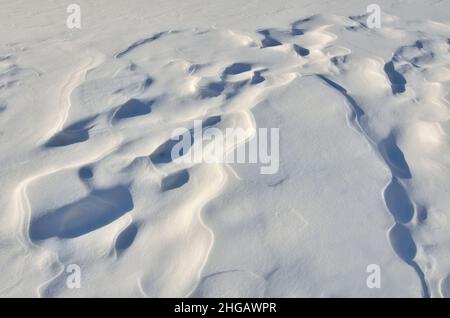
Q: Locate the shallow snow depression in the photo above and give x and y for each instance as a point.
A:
(118, 168)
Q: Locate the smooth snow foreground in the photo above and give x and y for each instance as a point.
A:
(93, 204)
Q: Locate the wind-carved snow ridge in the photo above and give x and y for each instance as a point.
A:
(395, 196)
(103, 191)
(421, 58)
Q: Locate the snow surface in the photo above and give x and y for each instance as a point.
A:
(85, 121)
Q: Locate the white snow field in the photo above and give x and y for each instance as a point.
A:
(88, 186)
